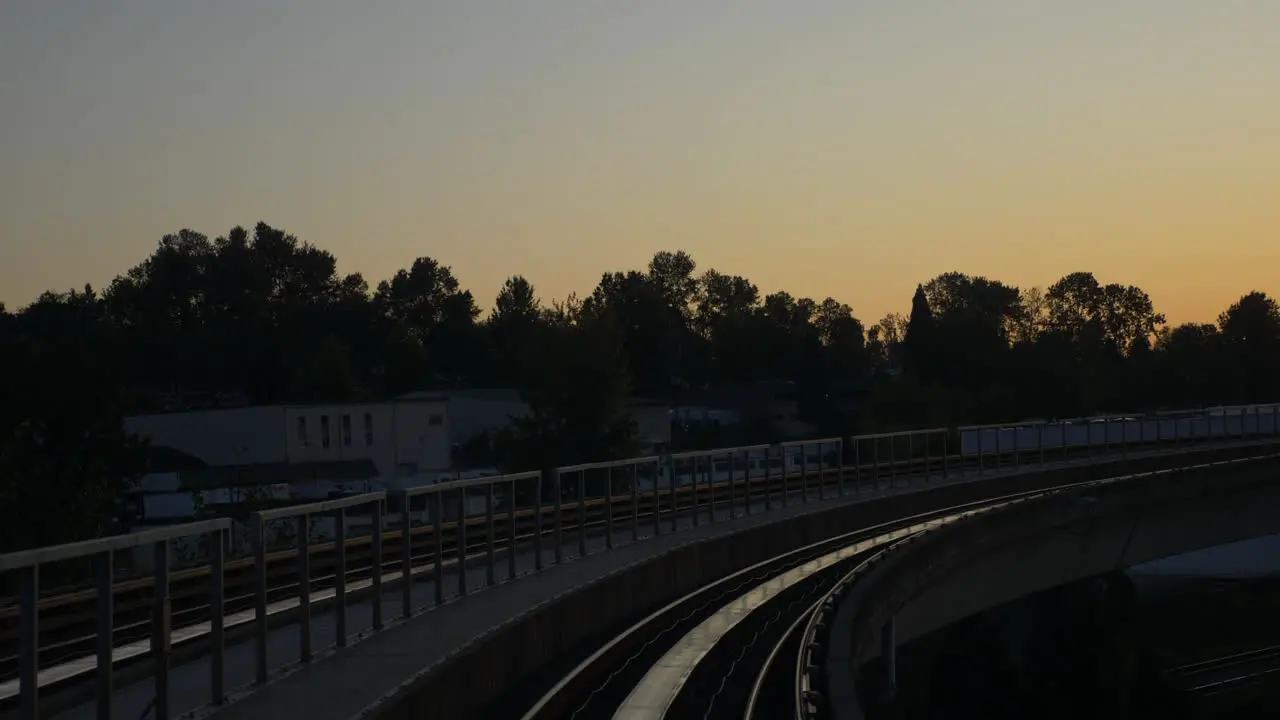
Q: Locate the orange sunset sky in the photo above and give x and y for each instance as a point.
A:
(825, 147)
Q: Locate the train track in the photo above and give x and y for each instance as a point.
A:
(1231, 672)
(736, 648)
(68, 619)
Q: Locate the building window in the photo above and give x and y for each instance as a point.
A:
(368, 429)
(324, 431)
(302, 430)
(346, 431)
(435, 419)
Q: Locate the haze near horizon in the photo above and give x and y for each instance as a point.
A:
(827, 148)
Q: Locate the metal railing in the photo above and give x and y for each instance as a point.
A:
(502, 488)
(302, 514)
(102, 552)
(456, 526)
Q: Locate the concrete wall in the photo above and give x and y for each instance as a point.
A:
(235, 436)
(1037, 544)
(477, 674)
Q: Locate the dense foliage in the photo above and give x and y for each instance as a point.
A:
(265, 318)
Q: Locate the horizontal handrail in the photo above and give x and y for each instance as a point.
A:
(806, 443)
(900, 433)
(688, 454)
(643, 460)
(469, 483)
(84, 548)
(291, 511)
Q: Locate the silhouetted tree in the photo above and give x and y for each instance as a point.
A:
(918, 341)
(259, 314)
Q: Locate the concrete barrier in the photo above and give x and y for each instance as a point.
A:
(1044, 541)
(518, 652)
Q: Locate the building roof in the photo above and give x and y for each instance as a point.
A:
(495, 394)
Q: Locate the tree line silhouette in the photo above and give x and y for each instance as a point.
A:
(265, 317)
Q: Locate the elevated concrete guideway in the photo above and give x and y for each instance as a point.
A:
(375, 665)
(451, 661)
(1041, 542)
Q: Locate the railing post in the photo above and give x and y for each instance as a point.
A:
(304, 585)
(693, 483)
(733, 495)
(1088, 440)
(29, 662)
(511, 532)
(928, 466)
(558, 510)
(105, 628)
(804, 473)
(437, 548)
(537, 521)
(608, 508)
(406, 553)
(977, 432)
(582, 513)
(260, 597)
(671, 480)
(786, 473)
(657, 502)
(822, 472)
(217, 608)
(1017, 447)
(857, 465)
(875, 462)
(999, 464)
(340, 577)
(946, 456)
(911, 457)
(161, 621)
(635, 502)
(768, 478)
(491, 538)
(840, 469)
(462, 542)
(746, 484)
(711, 484)
(375, 540)
(893, 461)
(1040, 442)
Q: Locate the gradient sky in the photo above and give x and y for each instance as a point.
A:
(828, 147)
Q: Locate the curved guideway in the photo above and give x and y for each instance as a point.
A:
(866, 481)
(667, 688)
(729, 650)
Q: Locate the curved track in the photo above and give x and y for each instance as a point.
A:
(734, 648)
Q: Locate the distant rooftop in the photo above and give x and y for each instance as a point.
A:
(496, 394)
